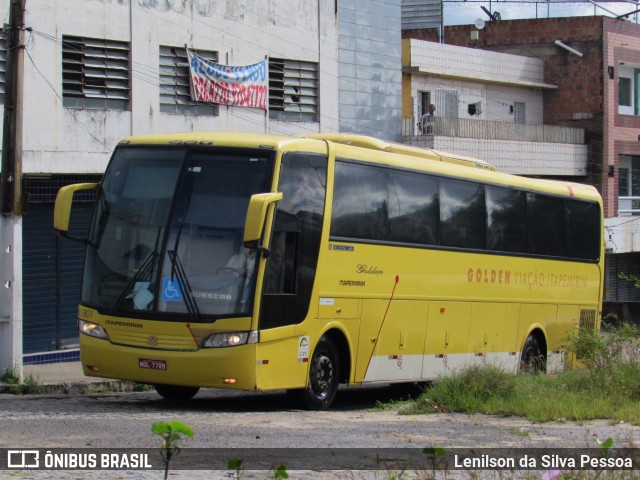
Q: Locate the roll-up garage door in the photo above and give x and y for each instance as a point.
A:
(52, 266)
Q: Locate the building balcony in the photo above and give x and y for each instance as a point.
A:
(521, 149)
(628, 206)
(622, 232)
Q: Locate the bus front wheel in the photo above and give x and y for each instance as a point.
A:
(324, 376)
(532, 359)
(176, 393)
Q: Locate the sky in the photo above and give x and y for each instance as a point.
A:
(467, 12)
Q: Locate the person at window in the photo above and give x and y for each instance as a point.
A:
(426, 122)
(239, 265)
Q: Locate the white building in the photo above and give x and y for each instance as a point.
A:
(489, 105)
(96, 71)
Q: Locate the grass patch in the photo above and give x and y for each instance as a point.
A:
(606, 387)
(29, 386)
(141, 387)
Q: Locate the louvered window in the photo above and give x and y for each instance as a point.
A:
(587, 320)
(293, 90)
(175, 89)
(95, 73)
(3, 63)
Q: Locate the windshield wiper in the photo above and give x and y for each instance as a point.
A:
(105, 210)
(146, 268)
(177, 271)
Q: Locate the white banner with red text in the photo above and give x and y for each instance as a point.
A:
(239, 86)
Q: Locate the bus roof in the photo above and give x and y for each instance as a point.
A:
(410, 157)
(372, 143)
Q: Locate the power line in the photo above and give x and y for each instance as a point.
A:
(150, 75)
(50, 85)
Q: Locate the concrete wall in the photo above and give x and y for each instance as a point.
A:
(370, 96)
(473, 63)
(496, 99)
(69, 140)
(496, 80)
(579, 101)
(59, 140)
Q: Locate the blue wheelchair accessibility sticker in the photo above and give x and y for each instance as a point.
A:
(171, 290)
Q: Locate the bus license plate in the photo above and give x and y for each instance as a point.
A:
(152, 364)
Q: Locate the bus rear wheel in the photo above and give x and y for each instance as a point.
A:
(324, 376)
(532, 359)
(176, 393)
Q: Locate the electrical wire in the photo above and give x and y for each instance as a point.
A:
(69, 111)
(150, 75)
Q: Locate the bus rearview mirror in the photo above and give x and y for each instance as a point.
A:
(256, 216)
(62, 210)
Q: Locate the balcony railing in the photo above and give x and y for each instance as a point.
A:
(628, 205)
(490, 130)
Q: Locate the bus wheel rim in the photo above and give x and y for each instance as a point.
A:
(323, 375)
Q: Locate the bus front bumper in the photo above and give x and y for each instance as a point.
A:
(228, 367)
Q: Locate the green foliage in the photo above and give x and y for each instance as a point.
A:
(469, 391)
(607, 349)
(10, 376)
(172, 433)
(606, 446)
(435, 454)
(142, 387)
(608, 385)
(630, 278)
(280, 472)
(30, 385)
(236, 465)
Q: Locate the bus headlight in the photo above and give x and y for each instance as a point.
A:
(232, 339)
(92, 329)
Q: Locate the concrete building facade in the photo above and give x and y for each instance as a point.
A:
(96, 71)
(594, 63)
(488, 105)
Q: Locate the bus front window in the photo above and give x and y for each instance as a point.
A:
(168, 236)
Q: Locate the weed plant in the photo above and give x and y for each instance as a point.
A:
(30, 385)
(605, 384)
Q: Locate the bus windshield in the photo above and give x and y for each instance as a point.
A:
(167, 233)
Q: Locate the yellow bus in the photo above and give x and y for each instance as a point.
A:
(263, 262)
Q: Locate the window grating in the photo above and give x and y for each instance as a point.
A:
(587, 320)
(293, 90)
(175, 84)
(95, 73)
(519, 112)
(447, 103)
(44, 189)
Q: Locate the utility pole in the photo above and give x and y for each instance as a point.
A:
(10, 184)
(10, 194)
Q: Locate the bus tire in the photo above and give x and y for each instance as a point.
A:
(176, 393)
(532, 360)
(324, 376)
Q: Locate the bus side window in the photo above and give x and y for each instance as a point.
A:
(282, 263)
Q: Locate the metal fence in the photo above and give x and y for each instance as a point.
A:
(490, 130)
(629, 205)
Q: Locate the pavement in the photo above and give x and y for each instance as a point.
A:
(66, 378)
(63, 372)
